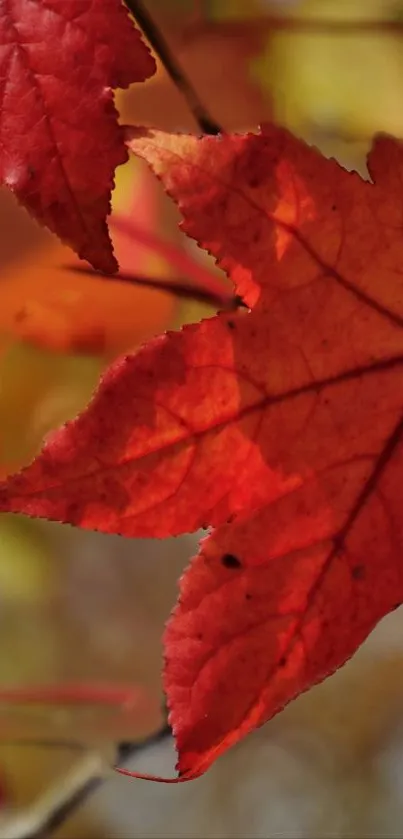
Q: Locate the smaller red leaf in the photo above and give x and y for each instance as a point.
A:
(59, 136)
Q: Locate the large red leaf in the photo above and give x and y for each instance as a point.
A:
(60, 141)
(282, 427)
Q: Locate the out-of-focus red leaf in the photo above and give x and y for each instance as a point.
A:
(49, 302)
(282, 427)
(53, 300)
(59, 136)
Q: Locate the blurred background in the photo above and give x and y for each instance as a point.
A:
(83, 613)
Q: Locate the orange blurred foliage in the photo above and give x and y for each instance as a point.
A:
(46, 301)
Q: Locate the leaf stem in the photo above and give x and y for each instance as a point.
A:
(160, 46)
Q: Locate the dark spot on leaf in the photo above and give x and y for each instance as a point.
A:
(282, 661)
(230, 324)
(230, 561)
(358, 572)
(248, 596)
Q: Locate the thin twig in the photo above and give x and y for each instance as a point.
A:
(156, 39)
(176, 287)
(63, 799)
(127, 750)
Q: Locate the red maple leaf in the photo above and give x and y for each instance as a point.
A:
(60, 141)
(281, 427)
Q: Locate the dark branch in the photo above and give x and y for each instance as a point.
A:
(178, 288)
(58, 804)
(156, 39)
(127, 750)
(67, 808)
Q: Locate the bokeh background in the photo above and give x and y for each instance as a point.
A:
(80, 609)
